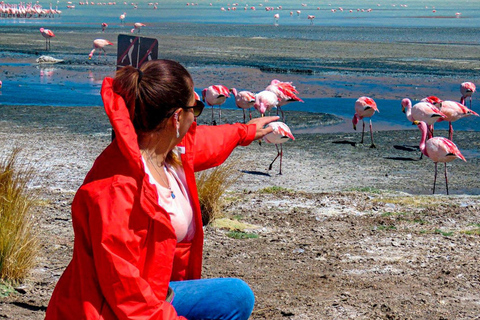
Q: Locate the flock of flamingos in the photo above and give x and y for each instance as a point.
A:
(424, 114)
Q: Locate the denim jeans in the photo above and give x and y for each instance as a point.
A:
(213, 299)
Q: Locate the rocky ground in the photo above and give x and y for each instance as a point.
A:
(346, 232)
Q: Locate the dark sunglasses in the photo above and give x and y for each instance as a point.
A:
(197, 108)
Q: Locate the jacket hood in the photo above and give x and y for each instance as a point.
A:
(119, 117)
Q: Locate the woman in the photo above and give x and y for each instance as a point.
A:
(137, 221)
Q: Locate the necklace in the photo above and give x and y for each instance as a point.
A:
(167, 183)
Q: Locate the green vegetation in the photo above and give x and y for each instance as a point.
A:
(18, 238)
(211, 185)
(241, 235)
(366, 189)
(273, 190)
(444, 233)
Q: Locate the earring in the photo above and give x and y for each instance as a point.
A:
(178, 125)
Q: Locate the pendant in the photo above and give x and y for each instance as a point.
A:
(172, 194)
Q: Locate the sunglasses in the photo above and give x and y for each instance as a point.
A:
(197, 108)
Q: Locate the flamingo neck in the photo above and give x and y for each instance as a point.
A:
(423, 128)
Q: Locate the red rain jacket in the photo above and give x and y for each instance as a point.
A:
(125, 249)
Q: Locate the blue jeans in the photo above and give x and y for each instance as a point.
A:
(213, 299)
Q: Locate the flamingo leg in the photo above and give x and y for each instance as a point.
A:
(244, 116)
(450, 131)
(278, 155)
(281, 157)
(430, 131)
(363, 130)
(371, 135)
(446, 177)
(219, 114)
(213, 118)
(435, 179)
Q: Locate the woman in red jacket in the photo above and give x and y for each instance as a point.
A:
(136, 218)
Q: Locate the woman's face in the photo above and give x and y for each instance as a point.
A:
(186, 117)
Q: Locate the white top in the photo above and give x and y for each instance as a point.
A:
(179, 208)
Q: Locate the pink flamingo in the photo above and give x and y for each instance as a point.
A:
(47, 34)
(285, 92)
(1, 84)
(215, 95)
(244, 100)
(122, 18)
(467, 89)
(276, 17)
(365, 107)
(422, 111)
(280, 134)
(454, 111)
(438, 149)
(99, 44)
(104, 26)
(265, 101)
(311, 18)
(137, 26)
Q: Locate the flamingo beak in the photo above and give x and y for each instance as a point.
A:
(403, 109)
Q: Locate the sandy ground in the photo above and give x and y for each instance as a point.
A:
(347, 232)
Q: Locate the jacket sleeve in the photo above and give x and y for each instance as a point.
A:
(117, 241)
(213, 144)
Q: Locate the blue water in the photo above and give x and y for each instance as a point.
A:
(404, 21)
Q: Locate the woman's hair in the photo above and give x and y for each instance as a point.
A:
(153, 92)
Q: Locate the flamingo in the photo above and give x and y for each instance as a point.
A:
(311, 18)
(438, 149)
(215, 95)
(467, 89)
(285, 93)
(280, 134)
(454, 111)
(104, 26)
(1, 84)
(276, 17)
(47, 34)
(99, 44)
(122, 18)
(422, 111)
(137, 25)
(365, 107)
(265, 101)
(244, 100)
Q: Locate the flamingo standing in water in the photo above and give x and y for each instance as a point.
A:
(99, 44)
(467, 89)
(365, 107)
(122, 18)
(422, 111)
(137, 26)
(104, 26)
(276, 17)
(244, 100)
(47, 34)
(285, 93)
(215, 95)
(311, 18)
(1, 84)
(265, 101)
(280, 134)
(438, 149)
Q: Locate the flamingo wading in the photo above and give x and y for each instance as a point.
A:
(99, 44)
(244, 100)
(47, 34)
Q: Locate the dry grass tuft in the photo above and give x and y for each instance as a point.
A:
(211, 185)
(18, 239)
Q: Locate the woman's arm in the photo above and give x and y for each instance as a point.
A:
(214, 144)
